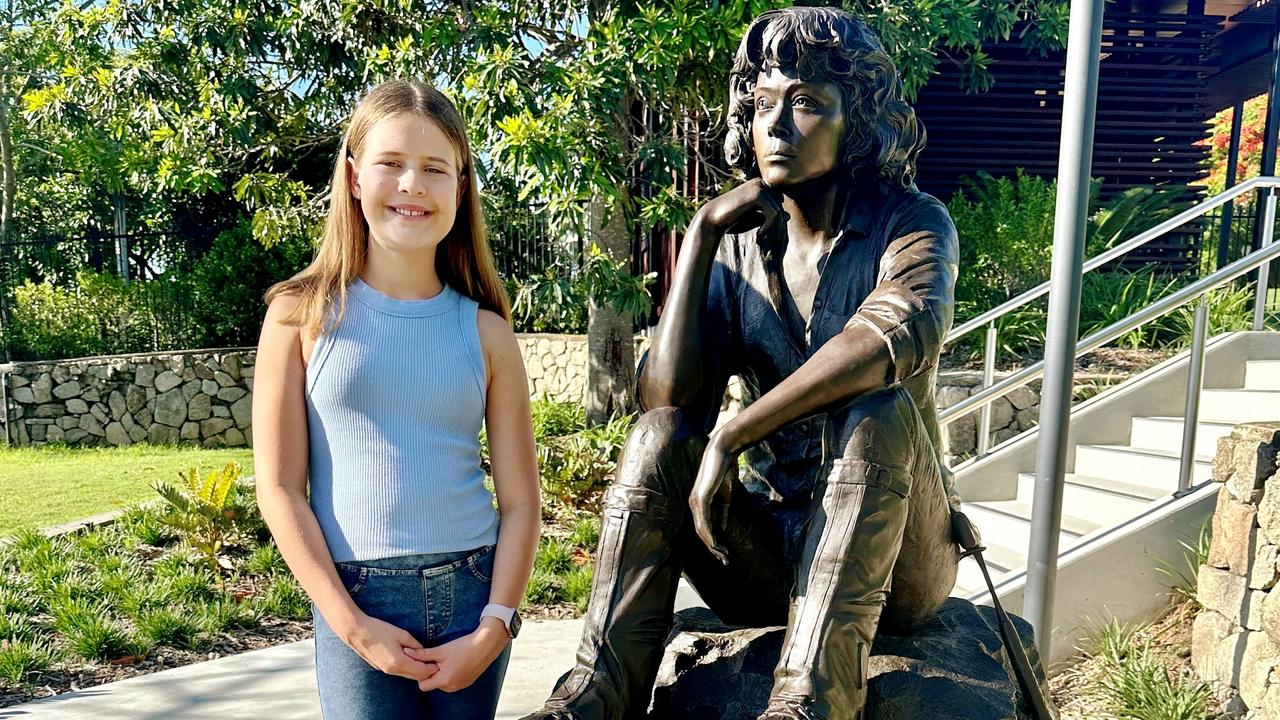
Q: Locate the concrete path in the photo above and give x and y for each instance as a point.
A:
(279, 683)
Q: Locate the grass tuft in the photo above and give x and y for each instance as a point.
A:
(265, 560)
(544, 587)
(554, 556)
(577, 586)
(285, 598)
(169, 626)
(1141, 687)
(585, 533)
(21, 658)
(90, 631)
(225, 614)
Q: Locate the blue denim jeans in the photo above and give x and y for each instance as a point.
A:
(437, 598)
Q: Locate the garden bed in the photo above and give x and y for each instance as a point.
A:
(1136, 672)
(133, 596)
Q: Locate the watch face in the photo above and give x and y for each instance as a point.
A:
(514, 629)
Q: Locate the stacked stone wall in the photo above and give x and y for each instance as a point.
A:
(204, 396)
(199, 397)
(1235, 640)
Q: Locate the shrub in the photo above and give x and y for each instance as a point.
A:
(99, 314)
(557, 301)
(1005, 226)
(203, 511)
(1108, 297)
(1229, 309)
(550, 302)
(229, 281)
(575, 468)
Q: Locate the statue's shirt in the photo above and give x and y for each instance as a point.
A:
(890, 273)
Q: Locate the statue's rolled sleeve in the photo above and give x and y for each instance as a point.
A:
(910, 309)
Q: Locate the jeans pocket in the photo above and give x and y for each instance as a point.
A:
(353, 577)
(481, 563)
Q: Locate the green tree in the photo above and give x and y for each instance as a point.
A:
(192, 98)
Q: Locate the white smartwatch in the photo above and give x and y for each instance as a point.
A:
(508, 615)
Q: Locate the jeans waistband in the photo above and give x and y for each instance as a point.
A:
(411, 564)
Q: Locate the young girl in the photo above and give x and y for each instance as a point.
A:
(375, 368)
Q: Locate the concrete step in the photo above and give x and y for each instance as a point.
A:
(1262, 374)
(1001, 562)
(1006, 530)
(1093, 501)
(1143, 492)
(1165, 433)
(969, 578)
(1237, 406)
(1156, 469)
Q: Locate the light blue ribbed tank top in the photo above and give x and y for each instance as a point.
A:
(395, 403)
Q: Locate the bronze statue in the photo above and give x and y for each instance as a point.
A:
(825, 282)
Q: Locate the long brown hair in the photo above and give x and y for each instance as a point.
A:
(463, 260)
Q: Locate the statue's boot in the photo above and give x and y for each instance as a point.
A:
(855, 536)
(630, 611)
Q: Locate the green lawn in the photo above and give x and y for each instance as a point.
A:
(44, 486)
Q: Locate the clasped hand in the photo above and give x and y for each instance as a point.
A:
(716, 475)
(449, 667)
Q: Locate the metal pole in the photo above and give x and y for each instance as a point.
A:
(1195, 376)
(1228, 210)
(1075, 156)
(1264, 271)
(988, 376)
(122, 238)
(1271, 129)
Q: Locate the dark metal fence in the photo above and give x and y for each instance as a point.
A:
(1218, 248)
(527, 241)
(99, 316)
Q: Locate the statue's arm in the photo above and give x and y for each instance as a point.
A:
(676, 372)
(897, 332)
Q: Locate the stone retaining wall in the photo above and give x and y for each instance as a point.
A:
(1235, 641)
(203, 396)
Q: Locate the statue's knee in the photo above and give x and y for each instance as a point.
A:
(661, 453)
(879, 425)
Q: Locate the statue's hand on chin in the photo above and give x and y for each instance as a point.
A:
(749, 205)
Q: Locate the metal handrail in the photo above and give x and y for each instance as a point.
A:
(1144, 237)
(1269, 251)
(983, 399)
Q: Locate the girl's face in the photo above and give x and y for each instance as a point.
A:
(409, 184)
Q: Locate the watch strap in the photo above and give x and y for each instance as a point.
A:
(501, 612)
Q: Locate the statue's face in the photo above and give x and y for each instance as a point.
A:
(797, 127)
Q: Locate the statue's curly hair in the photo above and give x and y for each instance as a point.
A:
(882, 136)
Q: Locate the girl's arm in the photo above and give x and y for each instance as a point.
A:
(280, 447)
(513, 457)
